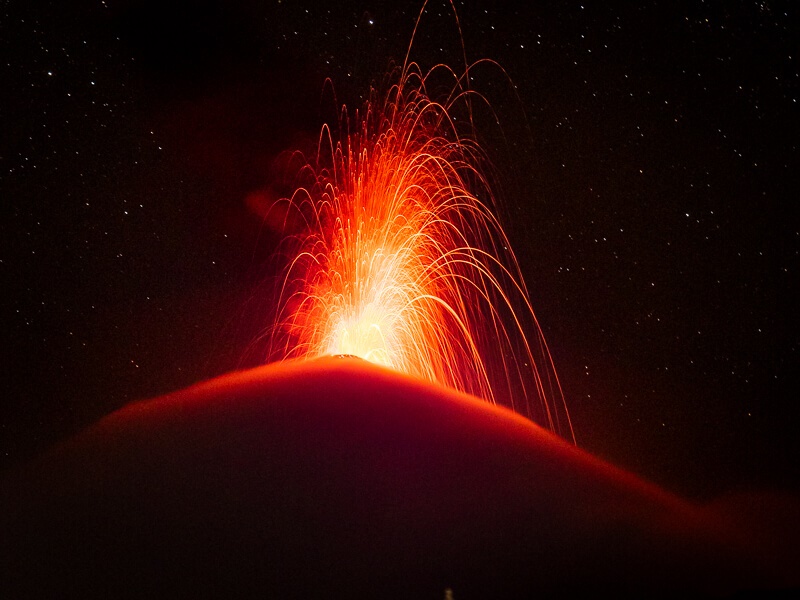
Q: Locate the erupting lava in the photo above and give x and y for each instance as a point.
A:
(402, 260)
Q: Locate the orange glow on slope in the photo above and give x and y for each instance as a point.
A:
(402, 260)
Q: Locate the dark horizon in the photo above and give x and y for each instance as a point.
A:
(339, 478)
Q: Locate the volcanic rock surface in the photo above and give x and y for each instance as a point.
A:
(337, 478)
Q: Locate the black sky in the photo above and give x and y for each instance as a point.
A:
(649, 174)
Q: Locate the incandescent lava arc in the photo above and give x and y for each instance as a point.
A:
(339, 478)
(402, 259)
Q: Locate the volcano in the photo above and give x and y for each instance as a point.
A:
(339, 478)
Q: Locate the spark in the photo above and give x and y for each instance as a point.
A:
(401, 259)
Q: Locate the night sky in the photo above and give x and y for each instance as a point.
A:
(648, 162)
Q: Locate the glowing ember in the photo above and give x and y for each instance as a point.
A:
(402, 261)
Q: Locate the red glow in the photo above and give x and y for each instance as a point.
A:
(403, 261)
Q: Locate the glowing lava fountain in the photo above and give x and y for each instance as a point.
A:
(401, 259)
